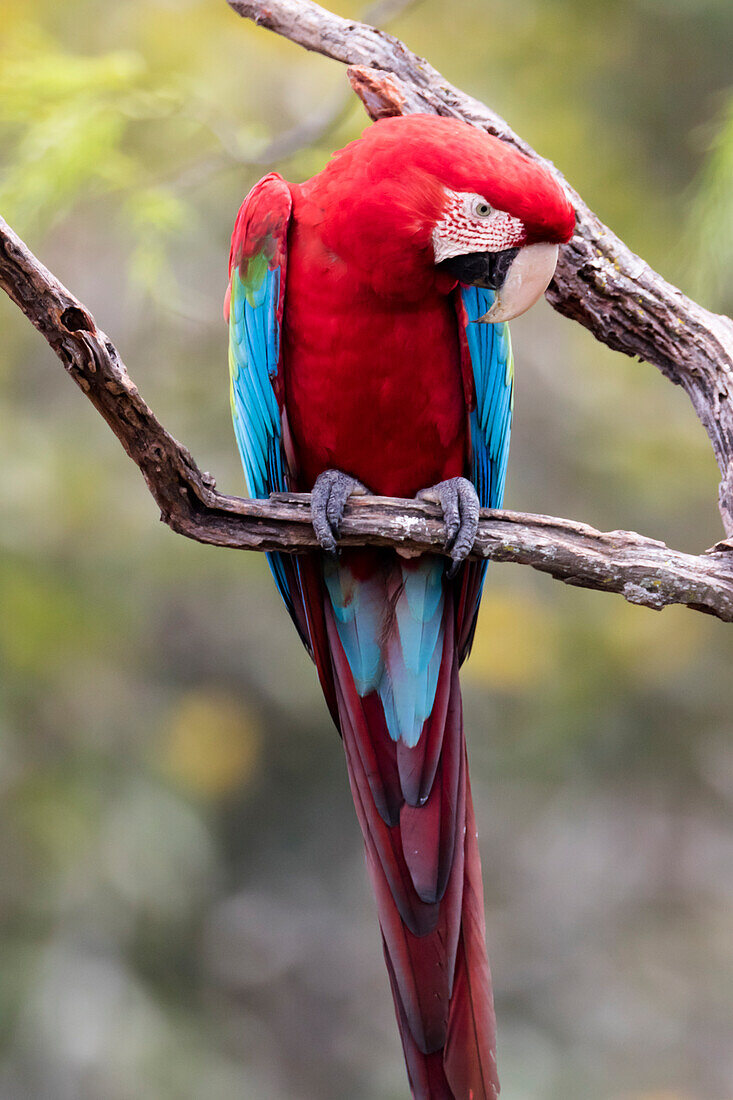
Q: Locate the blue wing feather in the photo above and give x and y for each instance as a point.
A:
(492, 373)
(255, 316)
(492, 365)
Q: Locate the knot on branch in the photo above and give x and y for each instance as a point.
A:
(378, 91)
(76, 319)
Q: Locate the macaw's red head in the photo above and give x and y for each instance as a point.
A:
(422, 201)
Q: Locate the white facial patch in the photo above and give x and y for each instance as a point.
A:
(469, 224)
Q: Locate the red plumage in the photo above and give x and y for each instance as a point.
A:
(349, 350)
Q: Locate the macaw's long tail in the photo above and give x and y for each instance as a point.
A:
(391, 628)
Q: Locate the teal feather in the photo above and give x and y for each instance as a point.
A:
(359, 608)
(492, 363)
(391, 628)
(255, 313)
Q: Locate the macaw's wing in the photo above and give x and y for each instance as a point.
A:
(490, 373)
(254, 307)
(492, 367)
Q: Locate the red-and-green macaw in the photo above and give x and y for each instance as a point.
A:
(368, 352)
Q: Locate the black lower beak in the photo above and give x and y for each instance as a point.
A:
(487, 269)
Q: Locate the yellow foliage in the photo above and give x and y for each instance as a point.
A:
(210, 744)
(515, 641)
(658, 646)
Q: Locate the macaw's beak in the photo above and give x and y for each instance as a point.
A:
(519, 276)
(527, 279)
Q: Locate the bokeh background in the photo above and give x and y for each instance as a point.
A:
(183, 906)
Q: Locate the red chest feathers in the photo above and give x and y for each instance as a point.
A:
(373, 386)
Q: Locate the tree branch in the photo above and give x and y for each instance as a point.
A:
(599, 281)
(642, 570)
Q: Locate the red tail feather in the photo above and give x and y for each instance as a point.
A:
(416, 815)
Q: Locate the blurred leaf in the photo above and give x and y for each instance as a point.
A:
(63, 112)
(156, 215)
(514, 642)
(709, 234)
(43, 621)
(56, 811)
(156, 852)
(654, 648)
(211, 744)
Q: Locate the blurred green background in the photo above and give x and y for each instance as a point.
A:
(183, 906)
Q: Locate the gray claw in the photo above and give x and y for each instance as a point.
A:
(460, 504)
(328, 500)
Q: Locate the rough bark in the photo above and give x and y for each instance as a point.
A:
(599, 281)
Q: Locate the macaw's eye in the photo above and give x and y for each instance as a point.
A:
(481, 209)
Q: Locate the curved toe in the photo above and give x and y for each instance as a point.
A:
(328, 499)
(459, 502)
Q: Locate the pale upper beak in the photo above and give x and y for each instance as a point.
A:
(527, 280)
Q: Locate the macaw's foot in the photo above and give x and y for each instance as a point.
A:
(459, 501)
(328, 500)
